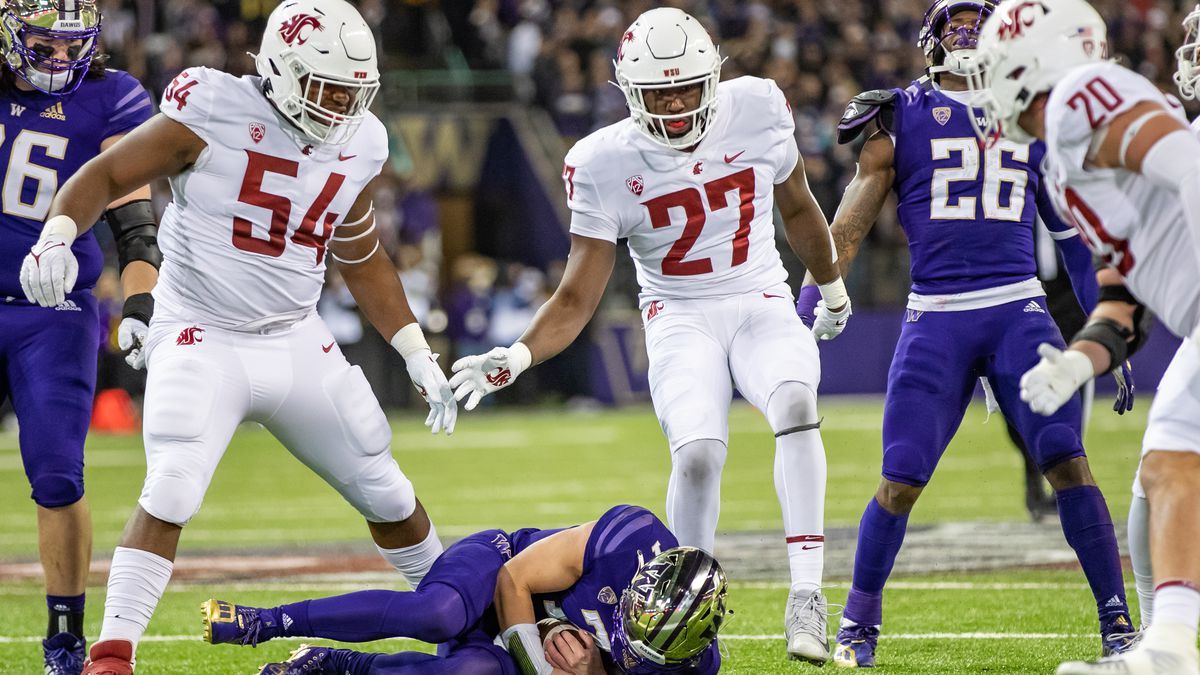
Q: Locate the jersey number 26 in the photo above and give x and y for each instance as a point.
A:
(995, 175)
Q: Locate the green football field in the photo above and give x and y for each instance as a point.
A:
(542, 467)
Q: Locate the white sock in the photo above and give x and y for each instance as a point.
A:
(1139, 556)
(694, 493)
(414, 561)
(136, 581)
(800, 485)
(1178, 605)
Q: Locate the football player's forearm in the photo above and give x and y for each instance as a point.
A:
(513, 600)
(138, 277)
(555, 326)
(855, 216)
(808, 236)
(379, 294)
(85, 195)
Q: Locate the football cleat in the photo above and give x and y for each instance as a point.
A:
(307, 660)
(227, 623)
(1141, 661)
(110, 657)
(64, 654)
(1117, 635)
(804, 624)
(856, 646)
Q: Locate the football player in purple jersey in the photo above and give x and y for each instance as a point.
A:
(976, 310)
(64, 107)
(617, 594)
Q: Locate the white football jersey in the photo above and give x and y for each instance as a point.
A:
(244, 236)
(1135, 226)
(698, 224)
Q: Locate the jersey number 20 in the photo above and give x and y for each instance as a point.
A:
(995, 175)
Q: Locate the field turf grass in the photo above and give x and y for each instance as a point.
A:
(512, 468)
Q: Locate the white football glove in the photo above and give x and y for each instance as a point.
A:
(829, 324)
(1047, 386)
(49, 271)
(131, 337)
(477, 376)
(431, 383)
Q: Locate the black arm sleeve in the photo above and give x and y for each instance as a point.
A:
(136, 233)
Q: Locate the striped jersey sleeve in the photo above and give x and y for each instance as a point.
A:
(130, 104)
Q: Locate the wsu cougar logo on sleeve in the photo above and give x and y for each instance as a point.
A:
(290, 30)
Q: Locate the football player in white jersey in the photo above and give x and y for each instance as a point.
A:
(265, 173)
(1125, 168)
(691, 179)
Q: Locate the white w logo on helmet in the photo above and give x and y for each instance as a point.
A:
(664, 49)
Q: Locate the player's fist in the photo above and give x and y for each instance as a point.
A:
(431, 382)
(48, 273)
(131, 338)
(570, 650)
(830, 323)
(477, 376)
(1053, 381)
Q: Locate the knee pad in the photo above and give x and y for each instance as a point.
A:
(699, 460)
(381, 492)
(55, 490)
(172, 499)
(792, 407)
(1054, 444)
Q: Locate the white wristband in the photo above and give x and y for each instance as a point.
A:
(834, 293)
(520, 356)
(60, 226)
(524, 644)
(409, 340)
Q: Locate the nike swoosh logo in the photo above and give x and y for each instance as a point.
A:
(37, 257)
(809, 548)
(768, 295)
(729, 158)
(343, 158)
(326, 348)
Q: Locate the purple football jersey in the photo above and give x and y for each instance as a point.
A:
(623, 539)
(968, 211)
(45, 140)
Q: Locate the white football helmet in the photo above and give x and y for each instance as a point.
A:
(667, 48)
(1187, 57)
(313, 44)
(1025, 48)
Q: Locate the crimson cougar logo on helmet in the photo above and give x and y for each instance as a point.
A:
(627, 37)
(1019, 18)
(290, 30)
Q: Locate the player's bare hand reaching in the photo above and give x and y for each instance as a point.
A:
(573, 652)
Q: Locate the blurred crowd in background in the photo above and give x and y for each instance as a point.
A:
(558, 55)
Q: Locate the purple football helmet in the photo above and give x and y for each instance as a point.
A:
(955, 59)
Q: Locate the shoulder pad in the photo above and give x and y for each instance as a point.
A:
(879, 104)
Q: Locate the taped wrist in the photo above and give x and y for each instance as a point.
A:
(409, 340)
(524, 644)
(139, 306)
(834, 293)
(1109, 334)
(136, 233)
